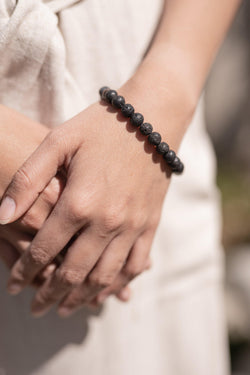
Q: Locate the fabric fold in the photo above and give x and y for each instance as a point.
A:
(25, 40)
(32, 51)
(58, 5)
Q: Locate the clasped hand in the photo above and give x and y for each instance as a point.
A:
(110, 206)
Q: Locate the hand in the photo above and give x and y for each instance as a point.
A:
(115, 217)
(78, 296)
(12, 244)
(15, 238)
(25, 135)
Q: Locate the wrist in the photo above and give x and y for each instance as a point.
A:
(165, 95)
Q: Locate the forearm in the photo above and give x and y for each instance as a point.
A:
(172, 75)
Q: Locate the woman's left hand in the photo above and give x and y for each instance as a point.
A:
(115, 187)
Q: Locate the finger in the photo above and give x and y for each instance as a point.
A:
(72, 302)
(102, 275)
(124, 294)
(8, 253)
(80, 258)
(32, 177)
(46, 245)
(19, 242)
(17, 238)
(136, 263)
(34, 218)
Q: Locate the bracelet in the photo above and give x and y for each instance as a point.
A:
(137, 119)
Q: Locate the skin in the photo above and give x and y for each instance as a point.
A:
(25, 135)
(112, 200)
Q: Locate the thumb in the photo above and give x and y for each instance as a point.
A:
(31, 178)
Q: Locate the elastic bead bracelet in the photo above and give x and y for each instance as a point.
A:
(137, 120)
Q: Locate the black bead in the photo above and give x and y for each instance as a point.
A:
(175, 162)
(146, 128)
(162, 148)
(111, 94)
(118, 101)
(137, 119)
(169, 156)
(154, 138)
(104, 93)
(179, 169)
(102, 89)
(127, 110)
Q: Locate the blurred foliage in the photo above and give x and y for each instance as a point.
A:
(235, 187)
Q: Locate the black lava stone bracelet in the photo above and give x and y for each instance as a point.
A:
(137, 120)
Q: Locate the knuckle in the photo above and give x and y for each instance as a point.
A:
(100, 281)
(69, 278)
(39, 256)
(136, 222)
(138, 219)
(77, 212)
(112, 220)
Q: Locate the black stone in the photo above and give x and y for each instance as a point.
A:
(179, 169)
(175, 162)
(162, 148)
(118, 101)
(110, 95)
(127, 110)
(169, 156)
(102, 89)
(136, 119)
(154, 138)
(146, 128)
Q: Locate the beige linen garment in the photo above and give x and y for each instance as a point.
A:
(54, 56)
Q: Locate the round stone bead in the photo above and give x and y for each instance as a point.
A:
(127, 110)
(146, 128)
(154, 138)
(169, 156)
(136, 119)
(179, 169)
(111, 94)
(175, 162)
(102, 89)
(104, 93)
(162, 148)
(118, 101)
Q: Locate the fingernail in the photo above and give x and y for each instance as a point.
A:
(14, 288)
(7, 210)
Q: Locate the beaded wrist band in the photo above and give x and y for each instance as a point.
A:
(137, 119)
